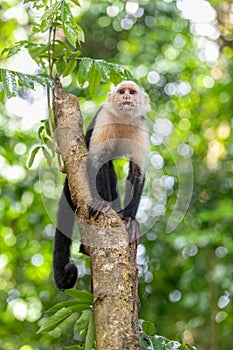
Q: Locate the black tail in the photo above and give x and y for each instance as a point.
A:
(65, 274)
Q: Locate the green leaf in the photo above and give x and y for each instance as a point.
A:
(38, 51)
(76, 2)
(104, 69)
(49, 16)
(83, 69)
(171, 345)
(69, 67)
(33, 155)
(25, 80)
(115, 75)
(94, 78)
(158, 342)
(61, 49)
(55, 320)
(70, 33)
(41, 131)
(90, 334)
(149, 328)
(81, 324)
(72, 30)
(62, 304)
(81, 36)
(9, 83)
(75, 54)
(49, 145)
(11, 51)
(47, 155)
(74, 347)
(46, 125)
(43, 80)
(79, 307)
(145, 342)
(81, 295)
(60, 65)
(128, 75)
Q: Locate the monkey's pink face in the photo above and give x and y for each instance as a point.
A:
(126, 98)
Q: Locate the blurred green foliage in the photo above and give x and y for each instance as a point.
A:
(185, 277)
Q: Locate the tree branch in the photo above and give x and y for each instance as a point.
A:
(113, 259)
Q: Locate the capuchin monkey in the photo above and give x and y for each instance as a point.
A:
(119, 129)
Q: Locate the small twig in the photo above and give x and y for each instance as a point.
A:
(52, 36)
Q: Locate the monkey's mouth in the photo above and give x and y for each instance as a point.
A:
(127, 104)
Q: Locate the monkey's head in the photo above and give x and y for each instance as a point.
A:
(129, 99)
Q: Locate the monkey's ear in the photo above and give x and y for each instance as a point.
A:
(147, 103)
(110, 97)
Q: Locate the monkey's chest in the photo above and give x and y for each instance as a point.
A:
(113, 141)
(116, 131)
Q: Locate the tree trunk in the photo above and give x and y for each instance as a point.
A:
(113, 259)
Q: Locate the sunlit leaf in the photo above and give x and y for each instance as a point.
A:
(9, 83)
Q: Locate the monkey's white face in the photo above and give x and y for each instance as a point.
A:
(126, 98)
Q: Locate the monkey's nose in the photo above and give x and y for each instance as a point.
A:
(127, 96)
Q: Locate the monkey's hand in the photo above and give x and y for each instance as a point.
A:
(132, 227)
(96, 206)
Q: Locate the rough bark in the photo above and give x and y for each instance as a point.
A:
(113, 259)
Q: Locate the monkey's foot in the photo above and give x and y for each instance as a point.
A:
(96, 206)
(132, 227)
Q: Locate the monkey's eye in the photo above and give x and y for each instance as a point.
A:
(132, 92)
(121, 92)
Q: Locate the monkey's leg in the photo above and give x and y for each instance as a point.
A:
(104, 189)
(133, 191)
(65, 274)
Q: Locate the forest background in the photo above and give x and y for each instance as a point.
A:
(181, 51)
